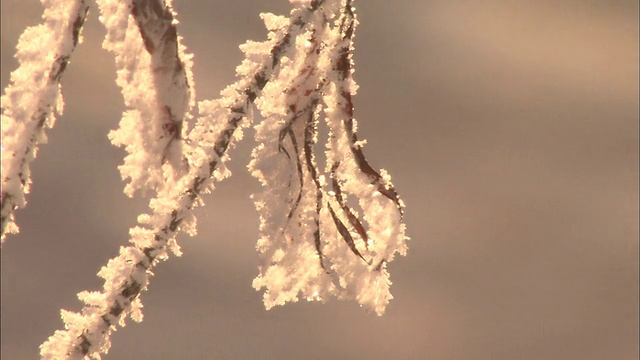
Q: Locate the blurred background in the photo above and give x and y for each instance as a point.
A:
(510, 129)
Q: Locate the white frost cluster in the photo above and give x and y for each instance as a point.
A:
(32, 98)
(313, 243)
(88, 333)
(219, 125)
(154, 73)
(154, 64)
(287, 206)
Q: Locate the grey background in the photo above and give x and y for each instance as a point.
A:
(509, 127)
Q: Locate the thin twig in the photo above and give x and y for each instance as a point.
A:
(21, 119)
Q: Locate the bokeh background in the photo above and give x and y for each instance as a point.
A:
(509, 127)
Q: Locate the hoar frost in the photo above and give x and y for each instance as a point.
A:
(30, 101)
(314, 242)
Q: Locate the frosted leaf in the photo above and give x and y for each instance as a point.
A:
(287, 206)
(313, 243)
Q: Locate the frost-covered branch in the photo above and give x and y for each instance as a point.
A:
(33, 95)
(283, 161)
(313, 243)
(88, 333)
(353, 176)
(154, 73)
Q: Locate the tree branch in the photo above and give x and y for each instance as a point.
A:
(126, 276)
(30, 100)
